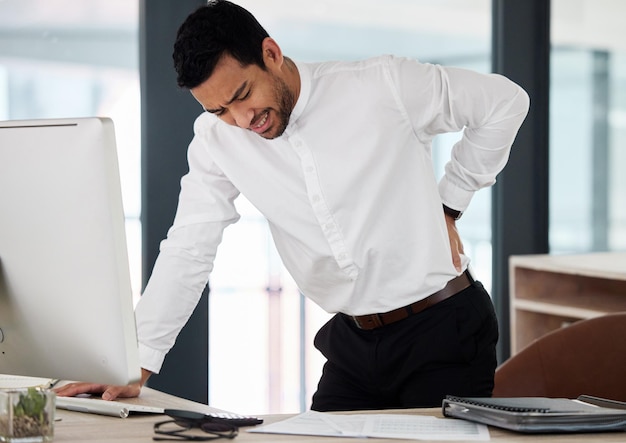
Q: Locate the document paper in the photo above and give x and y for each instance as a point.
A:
(401, 426)
(20, 381)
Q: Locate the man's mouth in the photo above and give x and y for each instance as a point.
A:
(261, 123)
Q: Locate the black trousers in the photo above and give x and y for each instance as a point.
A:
(450, 348)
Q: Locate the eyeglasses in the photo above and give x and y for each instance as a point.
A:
(185, 421)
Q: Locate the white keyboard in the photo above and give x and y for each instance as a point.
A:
(104, 407)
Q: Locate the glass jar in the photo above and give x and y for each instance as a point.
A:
(27, 415)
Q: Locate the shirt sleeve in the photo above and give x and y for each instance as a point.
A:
(186, 256)
(488, 108)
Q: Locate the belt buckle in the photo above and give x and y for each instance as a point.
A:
(367, 322)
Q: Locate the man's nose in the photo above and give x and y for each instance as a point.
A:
(242, 115)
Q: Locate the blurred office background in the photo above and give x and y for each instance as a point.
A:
(71, 58)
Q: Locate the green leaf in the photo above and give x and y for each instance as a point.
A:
(31, 404)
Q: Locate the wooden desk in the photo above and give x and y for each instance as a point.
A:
(90, 428)
(552, 291)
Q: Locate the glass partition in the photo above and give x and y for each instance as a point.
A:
(261, 328)
(67, 58)
(64, 58)
(587, 126)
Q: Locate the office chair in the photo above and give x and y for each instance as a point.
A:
(587, 357)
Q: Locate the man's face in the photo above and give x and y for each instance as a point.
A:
(248, 97)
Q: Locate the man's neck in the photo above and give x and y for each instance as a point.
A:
(293, 77)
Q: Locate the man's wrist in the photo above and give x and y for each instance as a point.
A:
(452, 212)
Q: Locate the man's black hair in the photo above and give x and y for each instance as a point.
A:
(219, 28)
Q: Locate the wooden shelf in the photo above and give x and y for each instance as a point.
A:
(552, 291)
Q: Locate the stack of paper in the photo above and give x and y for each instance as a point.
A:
(401, 426)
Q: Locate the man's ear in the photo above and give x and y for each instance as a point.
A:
(272, 54)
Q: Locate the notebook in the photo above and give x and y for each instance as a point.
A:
(539, 414)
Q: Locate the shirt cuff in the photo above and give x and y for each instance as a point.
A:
(454, 197)
(150, 359)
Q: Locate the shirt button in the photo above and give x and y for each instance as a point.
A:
(297, 143)
(316, 198)
(341, 256)
(309, 169)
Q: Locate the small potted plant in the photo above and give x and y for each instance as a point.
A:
(26, 415)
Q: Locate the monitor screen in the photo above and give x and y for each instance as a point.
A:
(66, 308)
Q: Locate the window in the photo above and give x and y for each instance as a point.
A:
(261, 327)
(587, 126)
(64, 58)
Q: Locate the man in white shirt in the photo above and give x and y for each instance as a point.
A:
(337, 157)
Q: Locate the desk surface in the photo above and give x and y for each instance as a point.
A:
(81, 427)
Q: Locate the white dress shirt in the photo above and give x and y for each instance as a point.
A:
(348, 190)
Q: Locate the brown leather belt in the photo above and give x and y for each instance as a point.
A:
(453, 287)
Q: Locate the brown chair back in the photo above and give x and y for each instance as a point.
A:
(587, 357)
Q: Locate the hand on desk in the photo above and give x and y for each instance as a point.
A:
(108, 392)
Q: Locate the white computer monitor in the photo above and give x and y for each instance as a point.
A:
(66, 308)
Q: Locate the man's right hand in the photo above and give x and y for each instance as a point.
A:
(108, 392)
(456, 245)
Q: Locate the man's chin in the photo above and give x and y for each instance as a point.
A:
(271, 135)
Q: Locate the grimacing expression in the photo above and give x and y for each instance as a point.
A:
(248, 97)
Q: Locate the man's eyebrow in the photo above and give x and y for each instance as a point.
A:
(237, 93)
